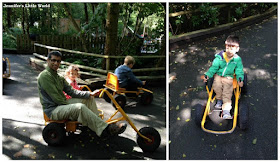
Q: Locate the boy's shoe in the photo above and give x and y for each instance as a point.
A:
(219, 104)
(226, 115)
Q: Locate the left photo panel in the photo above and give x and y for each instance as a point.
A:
(83, 81)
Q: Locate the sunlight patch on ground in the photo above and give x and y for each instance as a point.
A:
(180, 58)
(186, 113)
(261, 74)
(269, 55)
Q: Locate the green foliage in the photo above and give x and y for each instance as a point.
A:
(240, 10)
(206, 15)
(9, 37)
(209, 14)
(8, 41)
(97, 21)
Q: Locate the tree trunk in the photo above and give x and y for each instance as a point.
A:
(82, 35)
(86, 12)
(93, 6)
(22, 20)
(9, 14)
(27, 21)
(111, 32)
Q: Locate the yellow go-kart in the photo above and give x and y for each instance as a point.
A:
(54, 132)
(120, 94)
(240, 111)
(6, 71)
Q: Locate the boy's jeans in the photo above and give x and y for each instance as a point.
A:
(223, 89)
(81, 110)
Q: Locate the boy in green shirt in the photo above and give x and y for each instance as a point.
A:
(223, 68)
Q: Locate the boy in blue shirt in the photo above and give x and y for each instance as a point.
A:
(126, 77)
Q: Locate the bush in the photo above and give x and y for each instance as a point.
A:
(9, 41)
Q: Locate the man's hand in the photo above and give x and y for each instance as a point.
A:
(240, 83)
(205, 78)
(95, 93)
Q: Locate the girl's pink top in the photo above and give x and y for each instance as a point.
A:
(74, 84)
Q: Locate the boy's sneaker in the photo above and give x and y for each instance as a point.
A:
(226, 115)
(219, 104)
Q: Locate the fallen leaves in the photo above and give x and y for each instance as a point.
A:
(254, 141)
(51, 156)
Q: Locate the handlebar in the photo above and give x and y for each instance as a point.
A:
(205, 76)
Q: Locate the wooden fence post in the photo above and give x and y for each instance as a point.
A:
(107, 64)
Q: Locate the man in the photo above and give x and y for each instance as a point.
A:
(56, 107)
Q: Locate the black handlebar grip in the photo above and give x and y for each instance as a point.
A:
(205, 76)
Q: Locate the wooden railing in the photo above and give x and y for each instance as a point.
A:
(107, 69)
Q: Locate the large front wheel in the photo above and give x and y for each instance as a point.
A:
(152, 134)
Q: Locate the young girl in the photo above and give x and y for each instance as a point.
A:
(71, 74)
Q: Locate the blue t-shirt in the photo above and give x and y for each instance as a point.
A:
(125, 75)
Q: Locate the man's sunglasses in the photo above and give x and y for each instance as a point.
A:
(54, 60)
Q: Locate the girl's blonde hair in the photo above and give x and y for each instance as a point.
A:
(72, 68)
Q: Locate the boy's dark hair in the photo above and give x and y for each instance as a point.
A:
(233, 39)
(55, 53)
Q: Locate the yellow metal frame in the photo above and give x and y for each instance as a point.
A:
(237, 92)
(112, 83)
(71, 125)
(7, 75)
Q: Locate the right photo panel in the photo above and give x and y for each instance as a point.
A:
(223, 81)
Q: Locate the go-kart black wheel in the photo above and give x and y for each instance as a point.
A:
(243, 116)
(54, 134)
(146, 98)
(152, 134)
(244, 88)
(199, 111)
(105, 96)
(120, 99)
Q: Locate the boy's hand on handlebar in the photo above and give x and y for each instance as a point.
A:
(95, 93)
(240, 83)
(205, 78)
(143, 82)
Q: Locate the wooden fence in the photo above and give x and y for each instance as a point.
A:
(107, 69)
(93, 44)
